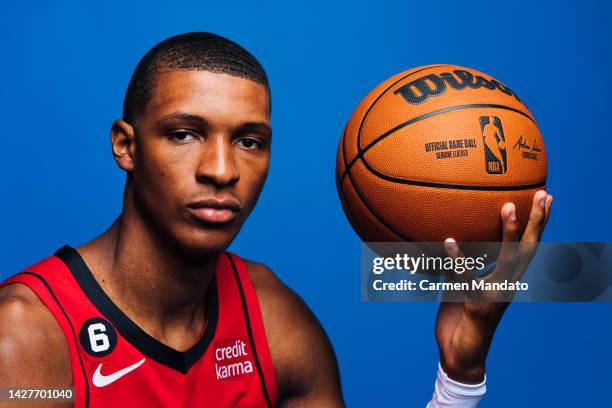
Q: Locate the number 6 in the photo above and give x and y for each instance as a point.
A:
(98, 340)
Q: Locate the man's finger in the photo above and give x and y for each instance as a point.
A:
(529, 244)
(452, 249)
(508, 250)
(537, 217)
(549, 200)
(509, 223)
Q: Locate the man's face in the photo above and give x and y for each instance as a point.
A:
(202, 149)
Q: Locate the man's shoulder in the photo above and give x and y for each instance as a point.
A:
(33, 348)
(303, 358)
(262, 276)
(20, 306)
(286, 316)
(276, 299)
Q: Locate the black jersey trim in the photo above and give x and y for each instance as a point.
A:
(43, 280)
(148, 345)
(250, 332)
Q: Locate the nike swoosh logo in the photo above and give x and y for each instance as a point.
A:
(100, 380)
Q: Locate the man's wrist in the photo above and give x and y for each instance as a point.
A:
(464, 375)
(451, 393)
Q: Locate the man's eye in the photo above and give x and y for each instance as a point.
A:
(182, 136)
(249, 143)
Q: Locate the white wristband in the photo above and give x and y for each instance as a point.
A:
(449, 393)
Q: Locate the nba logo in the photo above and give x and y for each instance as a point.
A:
(494, 144)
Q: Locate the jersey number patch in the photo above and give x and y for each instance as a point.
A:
(98, 337)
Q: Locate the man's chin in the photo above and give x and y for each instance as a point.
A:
(202, 244)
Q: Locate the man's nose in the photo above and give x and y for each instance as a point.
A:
(217, 163)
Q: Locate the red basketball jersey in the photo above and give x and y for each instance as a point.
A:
(115, 363)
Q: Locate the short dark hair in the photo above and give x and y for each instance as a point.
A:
(199, 51)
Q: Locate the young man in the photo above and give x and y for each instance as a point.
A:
(154, 312)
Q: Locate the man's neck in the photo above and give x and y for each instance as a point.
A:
(154, 286)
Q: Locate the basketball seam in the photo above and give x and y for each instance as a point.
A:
(378, 217)
(348, 206)
(361, 154)
(451, 186)
(365, 115)
(343, 199)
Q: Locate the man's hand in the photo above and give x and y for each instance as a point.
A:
(464, 330)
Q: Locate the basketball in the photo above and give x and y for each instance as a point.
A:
(435, 152)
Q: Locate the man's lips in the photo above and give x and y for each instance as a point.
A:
(215, 211)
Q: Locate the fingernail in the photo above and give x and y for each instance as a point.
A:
(543, 201)
(450, 245)
(550, 197)
(513, 213)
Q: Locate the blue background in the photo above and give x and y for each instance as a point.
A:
(64, 71)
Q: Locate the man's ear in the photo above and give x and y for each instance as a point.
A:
(123, 142)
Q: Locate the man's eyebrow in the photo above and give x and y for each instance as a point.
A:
(200, 121)
(188, 117)
(254, 127)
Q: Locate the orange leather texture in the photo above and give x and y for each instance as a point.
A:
(434, 152)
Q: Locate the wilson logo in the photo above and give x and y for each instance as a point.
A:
(419, 90)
